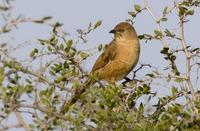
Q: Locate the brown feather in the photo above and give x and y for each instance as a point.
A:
(117, 60)
(105, 57)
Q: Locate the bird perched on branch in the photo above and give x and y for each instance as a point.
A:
(117, 60)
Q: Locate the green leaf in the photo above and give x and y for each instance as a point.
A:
(150, 75)
(164, 19)
(49, 48)
(141, 107)
(3, 45)
(45, 101)
(33, 52)
(40, 21)
(137, 7)
(168, 33)
(141, 37)
(4, 8)
(90, 25)
(97, 24)
(130, 117)
(84, 55)
(156, 72)
(174, 91)
(43, 42)
(173, 57)
(69, 43)
(65, 65)
(100, 47)
(61, 46)
(29, 88)
(47, 18)
(59, 79)
(158, 33)
(53, 40)
(146, 89)
(32, 126)
(195, 49)
(182, 10)
(190, 12)
(75, 84)
(164, 50)
(165, 10)
(179, 80)
(56, 25)
(132, 13)
(1, 75)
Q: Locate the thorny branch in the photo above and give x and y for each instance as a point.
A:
(181, 38)
(157, 22)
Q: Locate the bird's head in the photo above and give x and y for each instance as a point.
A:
(124, 31)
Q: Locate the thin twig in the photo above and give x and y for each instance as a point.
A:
(156, 21)
(21, 121)
(44, 110)
(188, 58)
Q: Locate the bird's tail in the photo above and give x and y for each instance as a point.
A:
(76, 96)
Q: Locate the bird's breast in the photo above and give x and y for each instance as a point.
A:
(128, 52)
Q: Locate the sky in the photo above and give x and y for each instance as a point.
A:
(75, 14)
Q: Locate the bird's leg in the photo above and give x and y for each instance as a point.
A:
(126, 81)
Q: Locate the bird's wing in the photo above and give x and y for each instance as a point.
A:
(105, 57)
(102, 61)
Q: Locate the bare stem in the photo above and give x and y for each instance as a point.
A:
(44, 110)
(188, 57)
(21, 121)
(156, 21)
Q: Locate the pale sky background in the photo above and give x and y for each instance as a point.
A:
(76, 14)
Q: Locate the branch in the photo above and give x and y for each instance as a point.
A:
(188, 57)
(44, 110)
(21, 121)
(155, 20)
(5, 128)
(139, 68)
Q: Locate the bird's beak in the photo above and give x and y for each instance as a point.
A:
(113, 31)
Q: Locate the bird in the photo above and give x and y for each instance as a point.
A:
(118, 59)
